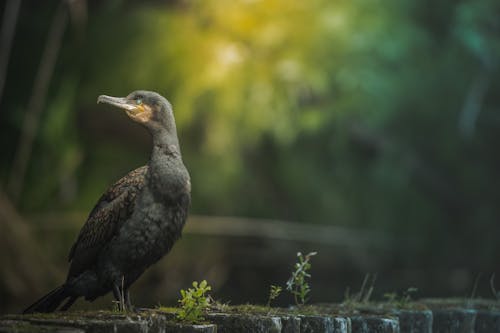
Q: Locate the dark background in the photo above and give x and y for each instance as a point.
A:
(368, 131)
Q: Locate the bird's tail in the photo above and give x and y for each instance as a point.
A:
(49, 302)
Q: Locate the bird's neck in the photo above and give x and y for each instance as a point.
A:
(168, 177)
(165, 143)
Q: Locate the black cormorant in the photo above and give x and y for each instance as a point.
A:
(136, 221)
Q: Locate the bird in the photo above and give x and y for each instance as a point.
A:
(136, 221)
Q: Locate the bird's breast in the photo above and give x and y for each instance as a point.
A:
(169, 181)
(150, 233)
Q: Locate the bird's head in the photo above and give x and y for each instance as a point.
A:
(145, 107)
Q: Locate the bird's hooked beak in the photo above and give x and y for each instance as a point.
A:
(119, 102)
(136, 111)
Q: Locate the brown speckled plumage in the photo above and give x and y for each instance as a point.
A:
(114, 206)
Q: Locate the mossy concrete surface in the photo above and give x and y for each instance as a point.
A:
(423, 317)
(99, 322)
(374, 324)
(318, 323)
(290, 324)
(454, 320)
(229, 323)
(487, 321)
(414, 321)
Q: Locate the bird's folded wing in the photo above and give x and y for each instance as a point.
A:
(113, 208)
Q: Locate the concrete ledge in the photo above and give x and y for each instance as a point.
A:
(453, 320)
(487, 321)
(236, 323)
(414, 321)
(290, 324)
(152, 323)
(374, 324)
(370, 318)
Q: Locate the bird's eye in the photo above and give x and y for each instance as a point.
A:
(138, 101)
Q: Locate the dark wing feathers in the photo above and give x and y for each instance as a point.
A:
(133, 180)
(112, 209)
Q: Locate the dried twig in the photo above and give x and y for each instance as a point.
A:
(369, 292)
(473, 103)
(474, 287)
(493, 288)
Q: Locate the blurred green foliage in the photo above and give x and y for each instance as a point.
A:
(360, 113)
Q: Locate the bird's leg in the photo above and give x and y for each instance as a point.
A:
(128, 303)
(118, 293)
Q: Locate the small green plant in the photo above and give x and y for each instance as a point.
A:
(297, 284)
(403, 300)
(194, 302)
(274, 292)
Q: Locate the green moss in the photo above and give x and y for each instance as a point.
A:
(168, 309)
(466, 303)
(249, 309)
(23, 327)
(310, 310)
(169, 312)
(252, 309)
(51, 322)
(171, 316)
(53, 315)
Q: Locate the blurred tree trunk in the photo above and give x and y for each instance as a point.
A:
(25, 272)
(10, 15)
(37, 101)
